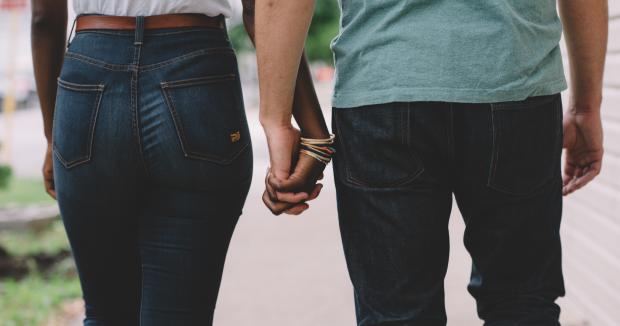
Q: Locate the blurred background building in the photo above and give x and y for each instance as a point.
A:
(280, 270)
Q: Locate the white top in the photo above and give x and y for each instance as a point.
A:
(152, 7)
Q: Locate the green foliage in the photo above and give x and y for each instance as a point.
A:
(23, 192)
(5, 176)
(50, 241)
(323, 29)
(32, 300)
(240, 39)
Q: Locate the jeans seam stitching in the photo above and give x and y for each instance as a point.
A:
(184, 57)
(494, 148)
(91, 134)
(97, 63)
(183, 139)
(495, 158)
(173, 112)
(351, 180)
(198, 81)
(79, 87)
(134, 104)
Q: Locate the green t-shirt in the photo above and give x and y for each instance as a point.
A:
(471, 51)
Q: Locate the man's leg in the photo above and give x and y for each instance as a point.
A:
(394, 202)
(509, 190)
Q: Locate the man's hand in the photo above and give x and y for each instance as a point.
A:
(48, 172)
(283, 142)
(291, 179)
(583, 141)
(291, 194)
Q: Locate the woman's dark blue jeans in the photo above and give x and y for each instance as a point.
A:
(152, 166)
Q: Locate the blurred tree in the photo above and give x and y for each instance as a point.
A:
(323, 29)
(5, 175)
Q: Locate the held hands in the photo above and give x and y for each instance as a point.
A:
(291, 180)
(583, 141)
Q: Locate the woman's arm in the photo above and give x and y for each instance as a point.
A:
(48, 37)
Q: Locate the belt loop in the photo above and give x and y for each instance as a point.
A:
(72, 29)
(222, 22)
(139, 30)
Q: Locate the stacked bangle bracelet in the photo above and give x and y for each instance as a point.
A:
(319, 149)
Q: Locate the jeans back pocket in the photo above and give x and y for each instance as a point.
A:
(373, 143)
(75, 118)
(527, 144)
(209, 117)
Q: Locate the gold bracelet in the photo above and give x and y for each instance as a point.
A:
(315, 156)
(327, 150)
(319, 141)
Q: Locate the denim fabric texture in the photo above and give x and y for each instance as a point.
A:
(153, 163)
(398, 167)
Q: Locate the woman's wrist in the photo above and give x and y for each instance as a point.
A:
(315, 133)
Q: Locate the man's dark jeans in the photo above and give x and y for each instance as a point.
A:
(152, 166)
(398, 166)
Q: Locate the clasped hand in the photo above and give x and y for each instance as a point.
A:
(292, 178)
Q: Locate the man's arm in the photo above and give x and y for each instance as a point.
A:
(48, 37)
(286, 90)
(585, 30)
(306, 108)
(281, 29)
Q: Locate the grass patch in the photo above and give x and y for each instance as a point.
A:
(31, 300)
(34, 299)
(24, 192)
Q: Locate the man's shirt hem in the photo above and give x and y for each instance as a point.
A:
(345, 99)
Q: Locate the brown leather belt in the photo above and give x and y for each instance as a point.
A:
(150, 22)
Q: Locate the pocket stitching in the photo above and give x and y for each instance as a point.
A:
(198, 81)
(356, 182)
(177, 120)
(93, 121)
(538, 100)
(496, 146)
